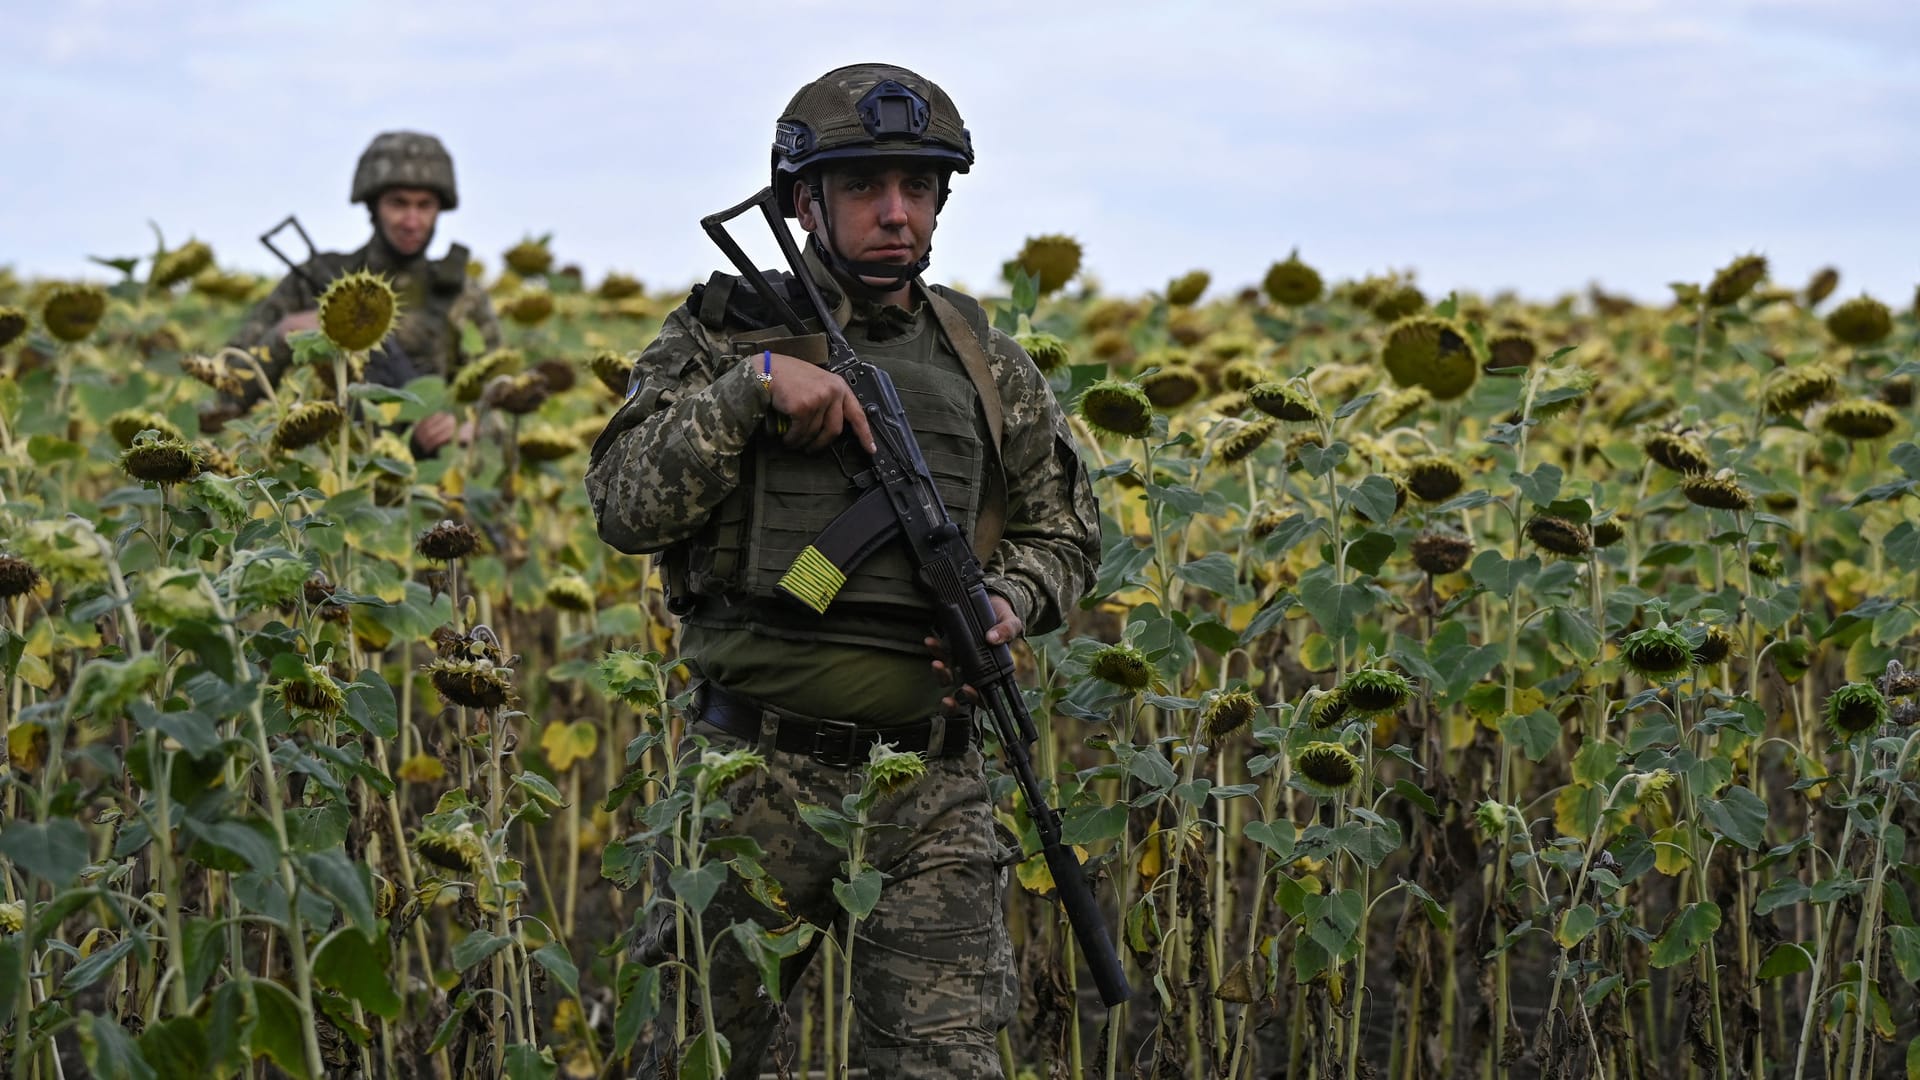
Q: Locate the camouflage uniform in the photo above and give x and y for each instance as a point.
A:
(437, 296)
(933, 976)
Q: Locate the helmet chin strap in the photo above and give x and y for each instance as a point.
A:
(854, 272)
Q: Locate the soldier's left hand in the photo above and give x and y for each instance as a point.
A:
(1004, 632)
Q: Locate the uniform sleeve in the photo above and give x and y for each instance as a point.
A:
(673, 450)
(474, 306)
(1047, 559)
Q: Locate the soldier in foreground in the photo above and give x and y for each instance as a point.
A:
(406, 181)
(720, 461)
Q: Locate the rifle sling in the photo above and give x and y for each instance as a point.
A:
(991, 523)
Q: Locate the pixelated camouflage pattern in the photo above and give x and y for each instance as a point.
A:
(674, 451)
(405, 159)
(437, 298)
(933, 979)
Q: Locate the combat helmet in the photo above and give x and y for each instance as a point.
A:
(866, 111)
(405, 159)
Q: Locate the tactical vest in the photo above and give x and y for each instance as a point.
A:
(727, 573)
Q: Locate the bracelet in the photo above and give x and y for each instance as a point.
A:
(765, 375)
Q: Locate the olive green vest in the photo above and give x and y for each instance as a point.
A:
(787, 497)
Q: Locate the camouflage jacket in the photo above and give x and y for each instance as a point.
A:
(437, 297)
(674, 450)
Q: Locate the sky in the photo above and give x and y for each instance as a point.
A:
(1535, 145)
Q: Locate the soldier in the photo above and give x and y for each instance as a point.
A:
(692, 467)
(406, 180)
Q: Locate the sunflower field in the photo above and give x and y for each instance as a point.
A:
(1473, 687)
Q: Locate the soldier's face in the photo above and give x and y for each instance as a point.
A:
(883, 215)
(407, 216)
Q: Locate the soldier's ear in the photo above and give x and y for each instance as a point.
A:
(803, 208)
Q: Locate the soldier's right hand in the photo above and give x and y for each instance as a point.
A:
(818, 404)
(298, 321)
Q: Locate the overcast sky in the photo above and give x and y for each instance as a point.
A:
(1486, 144)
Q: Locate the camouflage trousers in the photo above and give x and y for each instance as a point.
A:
(933, 980)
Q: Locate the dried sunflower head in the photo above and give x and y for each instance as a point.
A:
(1608, 532)
(1440, 553)
(529, 257)
(1265, 524)
(215, 372)
(547, 443)
(1283, 401)
(1114, 407)
(1559, 536)
(357, 311)
(313, 692)
(1714, 648)
(1245, 440)
(472, 684)
(530, 308)
(1736, 279)
(1433, 353)
(1822, 285)
(1796, 389)
(17, 577)
(1292, 283)
(73, 311)
(570, 592)
(1434, 479)
(1860, 321)
(1681, 453)
(448, 541)
(618, 286)
(516, 394)
(1172, 387)
(1184, 290)
(1052, 260)
(1897, 391)
(126, 424)
(1657, 653)
(1398, 406)
(459, 849)
(1227, 711)
(1861, 420)
(1371, 691)
(1766, 566)
(1718, 492)
(1854, 708)
(473, 377)
(1511, 349)
(184, 262)
(1047, 350)
(160, 459)
(614, 369)
(307, 423)
(1326, 769)
(1122, 665)
(13, 323)
(1398, 302)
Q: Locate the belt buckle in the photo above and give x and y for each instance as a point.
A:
(825, 752)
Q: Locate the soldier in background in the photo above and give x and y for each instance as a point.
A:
(406, 181)
(691, 467)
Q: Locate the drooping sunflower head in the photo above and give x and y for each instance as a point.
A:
(1292, 283)
(1433, 353)
(160, 459)
(1123, 666)
(1681, 453)
(1799, 388)
(1736, 279)
(1283, 401)
(1559, 536)
(570, 592)
(1326, 769)
(1227, 711)
(516, 394)
(17, 577)
(1860, 321)
(1245, 439)
(1854, 708)
(1511, 349)
(1052, 260)
(1657, 653)
(471, 380)
(613, 368)
(1822, 285)
(72, 311)
(1116, 407)
(13, 323)
(1608, 532)
(182, 263)
(1718, 492)
(1185, 289)
(529, 258)
(307, 423)
(357, 311)
(313, 692)
(1047, 350)
(1440, 553)
(447, 541)
(1715, 648)
(1434, 479)
(1861, 420)
(472, 684)
(1371, 691)
(530, 308)
(547, 443)
(1172, 387)
(126, 424)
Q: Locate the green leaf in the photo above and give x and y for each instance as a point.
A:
(1784, 893)
(95, 967)
(1500, 575)
(1411, 792)
(1575, 924)
(1786, 958)
(477, 946)
(639, 997)
(1376, 498)
(1152, 768)
(1740, 816)
(1318, 461)
(1575, 633)
(1275, 836)
(111, 1053)
(695, 888)
(1906, 950)
(239, 838)
(1370, 552)
(1598, 992)
(860, 895)
(1683, 937)
(1087, 825)
(1903, 546)
(54, 852)
(1214, 573)
(177, 1047)
(1536, 733)
(559, 965)
(277, 1031)
(1773, 612)
(1541, 486)
(526, 1061)
(695, 1063)
(346, 883)
(357, 967)
(371, 705)
(1334, 605)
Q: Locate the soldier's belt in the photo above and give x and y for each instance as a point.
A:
(831, 742)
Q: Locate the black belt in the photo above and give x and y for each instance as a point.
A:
(833, 743)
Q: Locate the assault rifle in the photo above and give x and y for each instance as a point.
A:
(946, 566)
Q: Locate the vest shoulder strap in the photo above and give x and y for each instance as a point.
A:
(964, 323)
